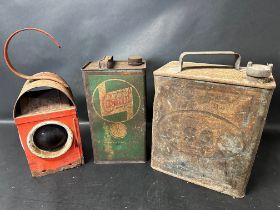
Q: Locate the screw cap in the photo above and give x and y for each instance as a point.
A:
(258, 70)
(135, 60)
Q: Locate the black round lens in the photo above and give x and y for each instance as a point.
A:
(50, 137)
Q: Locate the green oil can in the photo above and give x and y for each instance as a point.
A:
(116, 97)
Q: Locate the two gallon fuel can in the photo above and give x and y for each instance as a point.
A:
(208, 120)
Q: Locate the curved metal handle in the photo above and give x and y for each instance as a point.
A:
(14, 70)
(236, 65)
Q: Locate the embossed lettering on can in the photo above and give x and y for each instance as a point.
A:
(207, 122)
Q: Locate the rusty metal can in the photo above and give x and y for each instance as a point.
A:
(115, 94)
(208, 121)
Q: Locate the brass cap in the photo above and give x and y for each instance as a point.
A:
(135, 60)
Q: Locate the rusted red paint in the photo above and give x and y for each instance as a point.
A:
(53, 103)
(73, 157)
(10, 65)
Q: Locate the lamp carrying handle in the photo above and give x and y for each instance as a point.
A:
(24, 76)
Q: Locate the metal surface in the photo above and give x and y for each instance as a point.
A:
(14, 70)
(208, 123)
(135, 60)
(184, 54)
(106, 62)
(116, 109)
(60, 86)
(46, 98)
(259, 71)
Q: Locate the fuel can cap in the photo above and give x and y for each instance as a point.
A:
(135, 60)
(258, 70)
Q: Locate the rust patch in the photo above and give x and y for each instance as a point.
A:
(198, 133)
(69, 166)
(207, 133)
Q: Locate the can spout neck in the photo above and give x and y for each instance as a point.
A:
(107, 62)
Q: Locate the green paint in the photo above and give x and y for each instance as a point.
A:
(118, 132)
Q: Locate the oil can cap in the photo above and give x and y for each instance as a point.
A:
(135, 60)
(258, 70)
